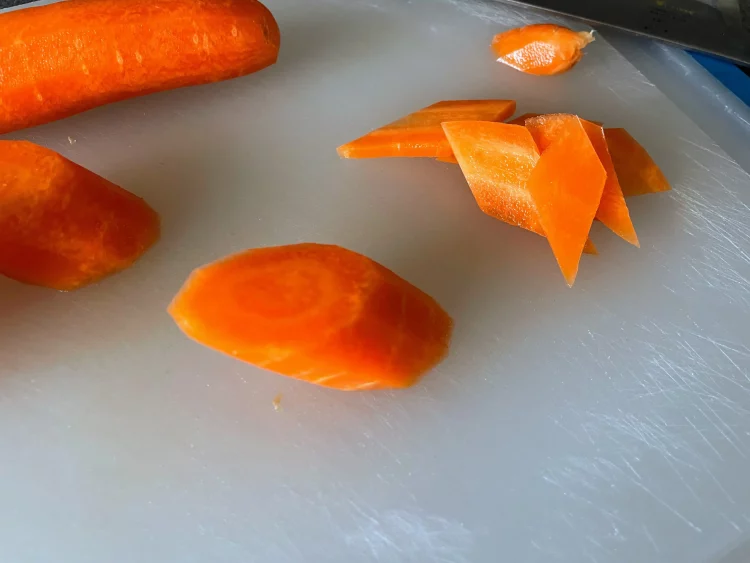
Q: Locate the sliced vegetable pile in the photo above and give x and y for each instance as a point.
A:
(319, 313)
(315, 312)
(550, 174)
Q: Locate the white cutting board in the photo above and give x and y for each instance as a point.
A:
(609, 422)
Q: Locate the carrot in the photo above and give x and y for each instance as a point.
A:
(64, 58)
(636, 170)
(612, 211)
(497, 160)
(566, 186)
(62, 226)
(420, 134)
(541, 49)
(315, 312)
(521, 119)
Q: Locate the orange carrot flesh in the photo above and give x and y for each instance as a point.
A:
(315, 312)
(541, 49)
(612, 211)
(636, 170)
(420, 134)
(447, 159)
(497, 160)
(62, 226)
(64, 58)
(566, 186)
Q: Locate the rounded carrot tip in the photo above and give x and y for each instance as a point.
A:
(62, 226)
(315, 312)
(541, 49)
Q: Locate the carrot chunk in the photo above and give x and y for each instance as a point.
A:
(62, 226)
(566, 186)
(541, 49)
(636, 170)
(64, 58)
(315, 312)
(420, 134)
(612, 211)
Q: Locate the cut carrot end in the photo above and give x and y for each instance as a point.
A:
(566, 186)
(541, 49)
(315, 312)
(637, 172)
(420, 134)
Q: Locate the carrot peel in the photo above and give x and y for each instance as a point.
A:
(319, 313)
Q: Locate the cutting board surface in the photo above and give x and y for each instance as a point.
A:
(609, 422)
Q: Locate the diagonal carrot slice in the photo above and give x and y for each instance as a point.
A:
(566, 186)
(420, 134)
(497, 160)
(636, 170)
(612, 211)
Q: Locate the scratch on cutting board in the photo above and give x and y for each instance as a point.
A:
(678, 411)
(400, 535)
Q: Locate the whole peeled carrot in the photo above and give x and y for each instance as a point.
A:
(315, 312)
(65, 58)
(62, 226)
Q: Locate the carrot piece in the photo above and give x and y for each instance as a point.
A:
(566, 186)
(521, 119)
(420, 134)
(64, 58)
(636, 170)
(612, 211)
(541, 49)
(62, 226)
(497, 160)
(589, 248)
(315, 312)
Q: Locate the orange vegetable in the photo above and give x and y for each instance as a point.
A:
(566, 186)
(62, 226)
(521, 119)
(447, 159)
(420, 134)
(636, 170)
(315, 312)
(497, 160)
(541, 49)
(64, 58)
(612, 211)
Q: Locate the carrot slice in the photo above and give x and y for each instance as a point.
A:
(497, 160)
(420, 134)
(447, 159)
(315, 312)
(64, 58)
(62, 226)
(612, 211)
(566, 186)
(541, 49)
(636, 170)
